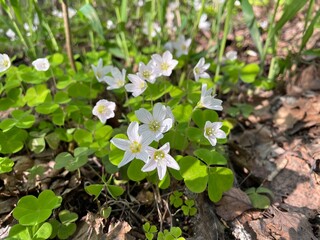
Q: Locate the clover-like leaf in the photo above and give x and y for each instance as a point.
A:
(94, 189)
(201, 116)
(134, 171)
(194, 173)
(115, 191)
(210, 157)
(220, 180)
(6, 164)
(31, 210)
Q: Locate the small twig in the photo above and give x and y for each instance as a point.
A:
(67, 33)
(157, 199)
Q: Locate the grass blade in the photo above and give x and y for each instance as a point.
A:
(251, 23)
(308, 33)
(90, 13)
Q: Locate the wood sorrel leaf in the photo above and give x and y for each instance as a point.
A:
(194, 173)
(31, 210)
(210, 157)
(220, 180)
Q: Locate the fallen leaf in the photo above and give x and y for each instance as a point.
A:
(233, 203)
(118, 231)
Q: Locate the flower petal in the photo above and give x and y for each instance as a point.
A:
(128, 157)
(144, 116)
(132, 131)
(122, 144)
(150, 166)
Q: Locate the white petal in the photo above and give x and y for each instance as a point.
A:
(144, 116)
(159, 112)
(132, 131)
(167, 125)
(144, 156)
(165, 148)
(150, 166)
(162, 169)
(212, 140)
(204, 75)
(123, 144)
(172, 163)
(128, 157)
(220, 134)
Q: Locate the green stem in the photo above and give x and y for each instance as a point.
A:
(269, 37)
(226, 29)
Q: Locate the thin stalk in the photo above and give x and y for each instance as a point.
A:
(269, 37)
(65, 13)
(308, 17)
(226, 29)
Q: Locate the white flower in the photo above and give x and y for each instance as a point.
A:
(117, 80)
(165, 64)
(203, 23)
(146, 72)
(169, 114)
(197, 5)
(104, 110)
(154, 29)
(232, 55)
(11, 34)
(207, 100)
(41, 64)
(212, 131)
(135, 147)
(138, 85)
(101, 71)
(156, 124)
(5, 62)
(169, 46)
(110, 25)
(160, 159)
(199, 70)
(182, 46)
(264, 24)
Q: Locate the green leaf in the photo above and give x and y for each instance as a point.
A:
(194, 173)
(90, 13)
(259, 201)
(53, 140)
(197, 135)
(37, 145)
(182, 113)
(6, 164)
(94, 189)
(251, 23)
(66, 217)
(176, 139)
(43, 232)
(210, 157)
(309, 31)
(12, 141)
(47, 108)
(36, 95)
(58, 117)
(56, 59)
(115, 191)
(104, 133)
(201, 116)
(23, 119)
(83, 137)
(134, 171)
(220, 180)
(65, 231)
(7, 124)
(31, 210)
(249, 72)
(18, 232)
(156, 91)
(71, 163)
(61, 98)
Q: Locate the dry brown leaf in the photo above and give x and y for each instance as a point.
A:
(233, 203)
(118, 231)
(6, 205)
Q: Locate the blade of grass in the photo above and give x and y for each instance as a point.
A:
(251, 23)
(123, 11)
(90, 13)
(309, 31)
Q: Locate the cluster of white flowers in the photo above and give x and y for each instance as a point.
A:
(181, 45)
(156, 67)
(140, 137)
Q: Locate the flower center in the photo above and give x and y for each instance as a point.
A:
(142, 85)
(158, 155)
(184, 47)
(210, 132)
(135, 147)
(5, 63)
(102, 109)
(197, 70)
(120, 82)
(154, 126)
(164, 66)
(146, 74)
(99, 74)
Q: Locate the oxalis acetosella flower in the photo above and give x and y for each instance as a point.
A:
(5, 62)
(41, 64)
(199, 70)
(160, 159)
(135, 146)
(154, 124)
(101, 71)
(137, 85)
(117, 80)
(104, 110)
(213, 132)
(207, 100)
(163, 65)
(182, 46)
(146, 72)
